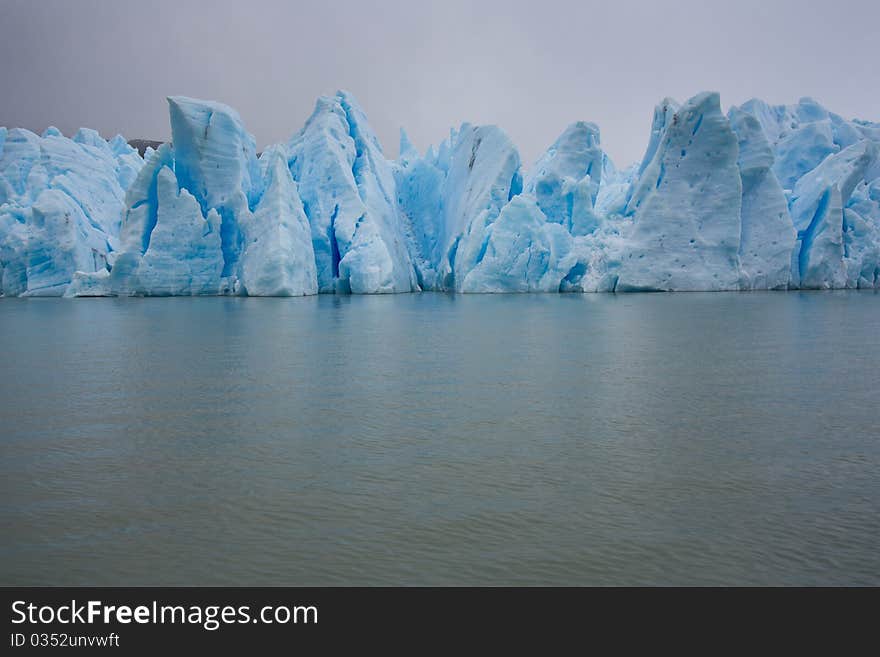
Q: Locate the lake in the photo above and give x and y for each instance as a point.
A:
(690, 438)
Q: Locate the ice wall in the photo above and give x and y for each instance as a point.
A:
(763, 197)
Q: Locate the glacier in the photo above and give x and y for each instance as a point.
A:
(761, 197)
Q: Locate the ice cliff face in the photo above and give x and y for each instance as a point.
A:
(565, 180)
(686, 206)
(826, 167)
(348, 193)
(279, 259)
(768, 236)
(182, 231)
(61, 203)
(764, 197)
(205, 216)
(451, 197)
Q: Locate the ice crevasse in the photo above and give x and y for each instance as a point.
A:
(761, 197)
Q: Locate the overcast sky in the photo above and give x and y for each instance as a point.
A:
(530, 67)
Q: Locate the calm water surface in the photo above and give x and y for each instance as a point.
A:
(434, 439)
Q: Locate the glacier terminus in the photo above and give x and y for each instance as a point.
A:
(763, 197)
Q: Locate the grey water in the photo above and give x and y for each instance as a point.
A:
(436, 439)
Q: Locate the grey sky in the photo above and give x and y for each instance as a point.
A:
(530, 67)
